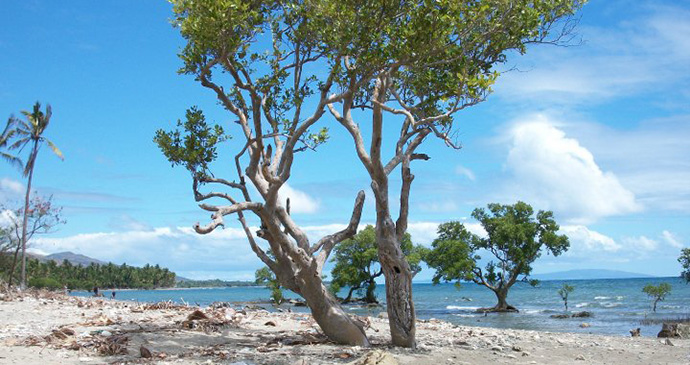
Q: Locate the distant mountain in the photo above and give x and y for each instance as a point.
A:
(73, 258)
(589, 274)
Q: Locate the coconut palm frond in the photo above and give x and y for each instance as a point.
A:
(55, 149)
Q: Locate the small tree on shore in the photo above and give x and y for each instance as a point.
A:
(563, 292)
(658, 293)
(684, 260)
(357, 263)
(265, 276)
(514, 238)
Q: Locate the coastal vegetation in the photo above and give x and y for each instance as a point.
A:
(52, 275)
(265, 276)
(563, 292)
(514, 237)
(684, 260)
(43, 218)
(28, 132)
(657, 292)
(357, 264)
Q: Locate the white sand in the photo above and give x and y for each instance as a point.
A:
(247, 337)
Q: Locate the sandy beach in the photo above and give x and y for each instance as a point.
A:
(49, 328)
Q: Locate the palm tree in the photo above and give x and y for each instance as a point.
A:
(30, 132)
(5, 137)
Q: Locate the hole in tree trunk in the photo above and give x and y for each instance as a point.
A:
(397, 270)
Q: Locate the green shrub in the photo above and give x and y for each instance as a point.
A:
(45, 283)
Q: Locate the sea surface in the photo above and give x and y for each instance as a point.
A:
(617, 305)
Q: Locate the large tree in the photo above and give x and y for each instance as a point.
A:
(515, 238)
(419, 63)
(357, 265)
(267, 65)
(29, 132)
(684, 260)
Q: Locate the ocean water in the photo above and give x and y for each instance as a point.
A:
(618, 305)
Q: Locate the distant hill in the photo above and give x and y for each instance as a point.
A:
(73, 258)
(589, 274)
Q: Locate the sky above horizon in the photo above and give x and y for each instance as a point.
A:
(598, 133)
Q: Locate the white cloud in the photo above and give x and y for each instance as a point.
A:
(584, 241)
(438, 207)
(425, 232)
(640, 243)
(556, 172)
(464, 171)
(671, 239)
(7, 218)
(10, 189)
(300, 202)
(639, 54)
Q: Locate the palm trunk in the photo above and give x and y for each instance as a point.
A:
(32, 161)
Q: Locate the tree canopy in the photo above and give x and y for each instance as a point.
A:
(514, 238)
(357, 264)
(684, 260)
(657, 292)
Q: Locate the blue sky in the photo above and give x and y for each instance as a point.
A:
(598, 133)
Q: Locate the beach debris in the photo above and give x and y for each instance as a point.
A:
(516, 348)
(584, 325)
(677, 330)
(113, 345)
(99, 320)
(376, 357)
(212, 321)
(145, 353)
(580, 357)
(270, 323)
(635, 332)
(668, 342)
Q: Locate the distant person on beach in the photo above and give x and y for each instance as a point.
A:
(113, 295)
(95, 291)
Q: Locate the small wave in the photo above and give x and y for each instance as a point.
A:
(458, 307)
(602, 298)
(611, 305)
(465, 315)
(580, 305)
(620, 297)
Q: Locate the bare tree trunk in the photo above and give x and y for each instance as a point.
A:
(327, 312)
(396, 270)
(502, 305)
(22, 283)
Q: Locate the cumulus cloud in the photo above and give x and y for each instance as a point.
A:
(558, 173)
(10, 189)
(671, 239)
(584, 241)
(640, 243)
(426, 232)
(300, 202)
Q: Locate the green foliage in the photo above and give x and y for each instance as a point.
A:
(563, 292)
(357, 263)
(265, 276)
(193, 144)
(514, 238)
(102, 276)
(658, 293)
(684, 260)
(44, 283)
